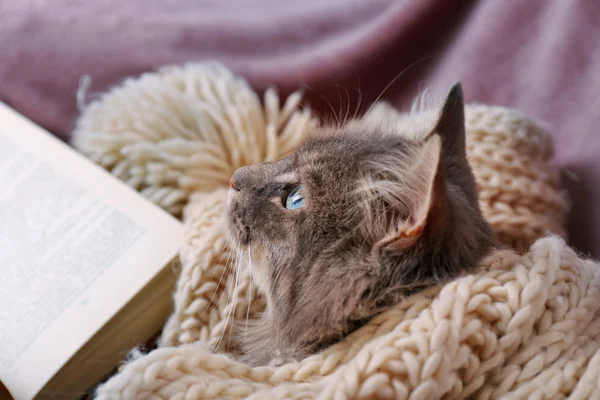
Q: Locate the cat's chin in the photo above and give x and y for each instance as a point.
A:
(232, 240)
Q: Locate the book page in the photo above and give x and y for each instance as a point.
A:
(76, 245)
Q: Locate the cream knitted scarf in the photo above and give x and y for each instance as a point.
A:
(525, 326)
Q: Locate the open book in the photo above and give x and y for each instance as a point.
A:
(85, 262)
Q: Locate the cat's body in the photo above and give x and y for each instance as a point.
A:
(351, 222)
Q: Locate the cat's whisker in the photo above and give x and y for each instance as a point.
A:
(230, 278)
(394, 80)
(249, 292)
(224, 251)
(348, 100)
(360, 97)
(231, 281)
(224, 328)
(337, 115)
(340, 119)
(225, 268)
(250, 297)
(235, 296)
(334, 115)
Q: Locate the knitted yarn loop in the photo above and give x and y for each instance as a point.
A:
(525, 326)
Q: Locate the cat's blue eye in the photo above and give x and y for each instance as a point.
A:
(295, 199)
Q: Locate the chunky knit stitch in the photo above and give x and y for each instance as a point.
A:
(525, 326)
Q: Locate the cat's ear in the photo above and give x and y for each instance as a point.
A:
(443, 152)
(427, 197)
(451, 123)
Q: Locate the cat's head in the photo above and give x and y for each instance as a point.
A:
(353, 220)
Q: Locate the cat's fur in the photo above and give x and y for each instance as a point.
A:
(386, 214)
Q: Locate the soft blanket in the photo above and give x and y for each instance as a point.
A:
(524, 326)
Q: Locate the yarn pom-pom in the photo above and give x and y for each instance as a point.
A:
(186, 129)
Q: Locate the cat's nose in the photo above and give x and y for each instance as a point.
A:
(237, 179)
(241, 179)
(232, 183)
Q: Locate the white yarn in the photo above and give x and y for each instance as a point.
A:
(186, 129)
(523, 327)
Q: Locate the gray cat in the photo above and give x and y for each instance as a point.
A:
(350, 223)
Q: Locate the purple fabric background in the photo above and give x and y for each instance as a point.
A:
(542, 56)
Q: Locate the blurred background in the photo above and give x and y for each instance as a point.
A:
(541, 56)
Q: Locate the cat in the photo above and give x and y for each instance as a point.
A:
(348, 225)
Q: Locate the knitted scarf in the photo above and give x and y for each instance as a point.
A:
(525, 325)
